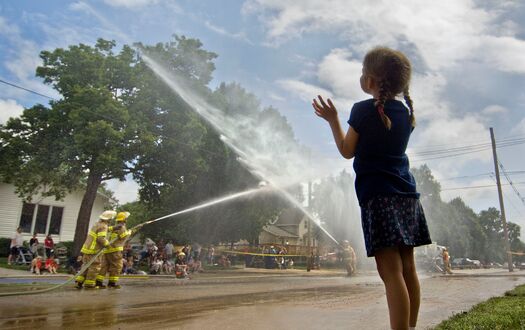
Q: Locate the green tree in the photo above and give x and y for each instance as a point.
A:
(456, 225)
(88, 136)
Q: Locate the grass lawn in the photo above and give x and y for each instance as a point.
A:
(3, 264)
(507, 312)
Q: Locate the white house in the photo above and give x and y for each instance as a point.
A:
(290, 228)
(44, 215)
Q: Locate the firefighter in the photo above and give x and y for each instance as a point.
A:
(349, 258)
(95, 241)
(112, 260)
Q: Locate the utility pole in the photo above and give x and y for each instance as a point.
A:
(309, 227)
(502, 207)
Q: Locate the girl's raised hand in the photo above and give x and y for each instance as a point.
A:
(325, 110)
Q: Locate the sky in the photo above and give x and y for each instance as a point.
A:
(467, 56)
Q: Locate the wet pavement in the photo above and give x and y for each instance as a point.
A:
(241, 299)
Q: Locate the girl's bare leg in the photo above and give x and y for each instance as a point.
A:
(411, 281)
(390, 267)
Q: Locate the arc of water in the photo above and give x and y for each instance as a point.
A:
(198, 105)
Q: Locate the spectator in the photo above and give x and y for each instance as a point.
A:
(17, 241)
(160, 246)
(74, 264)
(224, 261)
(281, 262)
(156, 266)
(195, 266)
(51, 265)
(186, 250)
(33, 245)
(36, 265)
(196, 248)
(168, 250)
(49, 245)
(211, 255)
(181, 269)
(127, 250)
(168, 266)
(446, 261)
(128, 266)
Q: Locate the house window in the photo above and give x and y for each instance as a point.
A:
(26, 219)
(41, 219)
(56, 220)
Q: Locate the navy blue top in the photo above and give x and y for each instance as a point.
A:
(381, 164)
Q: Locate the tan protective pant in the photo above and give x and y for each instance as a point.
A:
(112, 264)
(90, 274)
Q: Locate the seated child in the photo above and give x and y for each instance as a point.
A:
(168, 267)
(181, 269)
(156, 266)
(195, 265)
(51, 265)
(129, 265)
(36, 265)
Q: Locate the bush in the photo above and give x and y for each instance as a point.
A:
(4, 246)
(68, 245)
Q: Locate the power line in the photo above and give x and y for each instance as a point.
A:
(462, 143)
(480, 174)
(478, 187)
(454, 152)
(116, 121)
(465, 176)
(493, 177)
(511, 183)
(430, 154)
(26, 89)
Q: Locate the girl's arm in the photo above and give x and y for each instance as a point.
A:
(346, 143)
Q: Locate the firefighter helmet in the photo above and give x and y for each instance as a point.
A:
(122, 216)
(107, 215)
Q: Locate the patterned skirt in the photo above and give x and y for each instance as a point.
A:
(393, 220)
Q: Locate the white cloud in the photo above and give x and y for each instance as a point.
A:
(444, 32)
(494, 109)
(304, 91)
(519, 128)
(131, 4)
(441, 36)
(9, 108)
(220, 30)
(21, 61)
(503, 53)
(340, 72)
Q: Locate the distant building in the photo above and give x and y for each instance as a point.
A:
(291, 227)
(44, 215)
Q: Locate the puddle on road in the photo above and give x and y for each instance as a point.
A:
(158, 313)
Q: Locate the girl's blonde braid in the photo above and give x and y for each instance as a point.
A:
(380, 103)
(410, 104)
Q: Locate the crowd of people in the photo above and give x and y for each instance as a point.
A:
(41, 258)
(165, 258)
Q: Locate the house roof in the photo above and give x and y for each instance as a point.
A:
(290, 216)
(276, 231)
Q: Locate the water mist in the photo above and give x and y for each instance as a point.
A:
(268, 154)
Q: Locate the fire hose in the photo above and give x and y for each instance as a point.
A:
(81, 271)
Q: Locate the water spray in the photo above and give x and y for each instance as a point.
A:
(213, 116)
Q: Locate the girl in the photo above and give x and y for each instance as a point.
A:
(51, 265)
(391, 214)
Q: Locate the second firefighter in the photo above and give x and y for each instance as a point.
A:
(112, 258)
